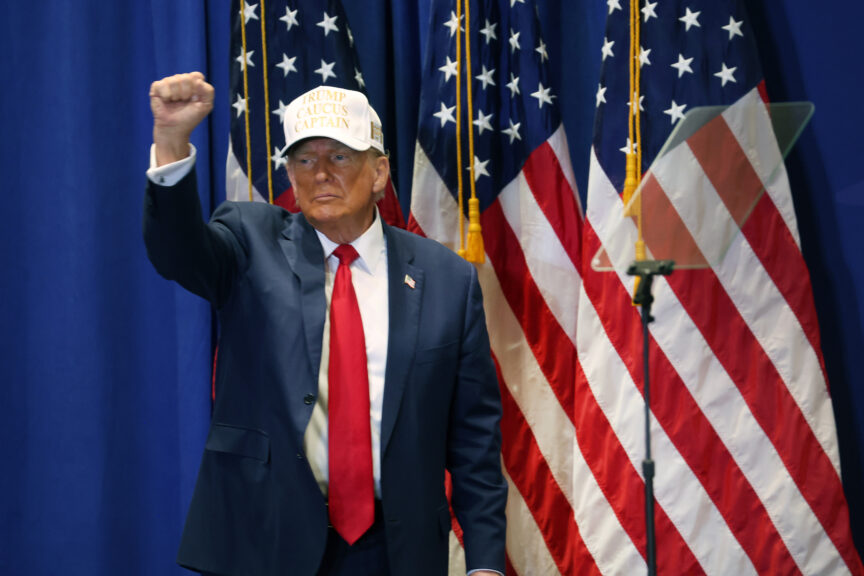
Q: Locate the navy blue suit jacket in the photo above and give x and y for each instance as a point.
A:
(257, 509)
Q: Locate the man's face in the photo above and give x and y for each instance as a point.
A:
(336, 187)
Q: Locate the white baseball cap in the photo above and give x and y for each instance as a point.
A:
(329, 112)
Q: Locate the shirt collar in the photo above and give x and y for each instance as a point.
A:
(369, 245)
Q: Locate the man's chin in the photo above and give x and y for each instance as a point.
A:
(324, 219)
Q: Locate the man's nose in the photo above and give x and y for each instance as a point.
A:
(322, 170)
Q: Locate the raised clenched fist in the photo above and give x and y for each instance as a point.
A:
(179, 103)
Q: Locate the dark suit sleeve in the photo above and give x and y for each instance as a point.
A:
(203, 258)
(474, 444)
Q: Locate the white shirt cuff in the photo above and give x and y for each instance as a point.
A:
(170, 174)
(479, 569)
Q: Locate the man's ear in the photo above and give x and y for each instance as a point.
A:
(382, 173)
(289, 168)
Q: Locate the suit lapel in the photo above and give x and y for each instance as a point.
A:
(303, 251)
(404, 311)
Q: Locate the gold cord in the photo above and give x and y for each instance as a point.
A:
(634, 155)
(474, 250)
(246, 97)
(460, 198)
(266, 103)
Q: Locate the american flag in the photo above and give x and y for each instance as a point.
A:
(748, 473)
(277, 53)
(531, 222)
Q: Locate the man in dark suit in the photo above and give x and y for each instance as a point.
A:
(292, 481)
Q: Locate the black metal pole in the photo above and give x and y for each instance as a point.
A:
(648, 463)
(645, 271)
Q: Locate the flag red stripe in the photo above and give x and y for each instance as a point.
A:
(755, 375)
(557, 359)
(414, 226)
(730, 173)
(771, 240)
(622, 486)
(389, 206)
(522, 456)
(531, 475)
(798, 448)
(764, 391)
(508, 565)
(767, 397)
(553, 349)
(553, 194)
(727, 167)
(665, 234)
(686, 426)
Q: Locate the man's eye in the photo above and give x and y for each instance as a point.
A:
(340, 157)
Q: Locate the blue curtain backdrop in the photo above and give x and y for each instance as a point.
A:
(103, 386)
(104, 366)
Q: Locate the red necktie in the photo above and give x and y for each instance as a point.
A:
(351, 487)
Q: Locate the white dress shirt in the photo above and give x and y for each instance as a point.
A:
(369, 278)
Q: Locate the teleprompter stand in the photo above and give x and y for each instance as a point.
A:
(686, 222)
(646, 270)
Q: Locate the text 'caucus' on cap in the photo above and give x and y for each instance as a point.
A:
(328, 112)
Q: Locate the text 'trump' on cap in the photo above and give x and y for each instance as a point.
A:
(337, 113)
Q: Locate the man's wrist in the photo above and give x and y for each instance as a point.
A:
(170, 146)
(170, 174)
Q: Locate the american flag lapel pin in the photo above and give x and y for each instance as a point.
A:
(410, 281)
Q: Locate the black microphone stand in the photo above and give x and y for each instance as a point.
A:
(645, 270)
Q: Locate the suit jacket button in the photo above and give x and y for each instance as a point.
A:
(308, 399)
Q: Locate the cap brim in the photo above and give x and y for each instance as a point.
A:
(352, 143)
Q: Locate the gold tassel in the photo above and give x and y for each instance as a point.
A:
(631, 182)
(640, 256)
(475, 253)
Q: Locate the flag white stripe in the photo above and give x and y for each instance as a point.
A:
(761, 306)
(551, 267)
(457, 556)
(431, 203)
(538, 404)
(526, 547)
(520, 370)
(677, 489)
(436, 211)
(610, 545)
(604, 537)
(236, 183)
(755, 135)
(718, 397)
(722, 404)
(558, 142)
(797, 362)
(605, 213)
(759, 302)
(766, 313)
